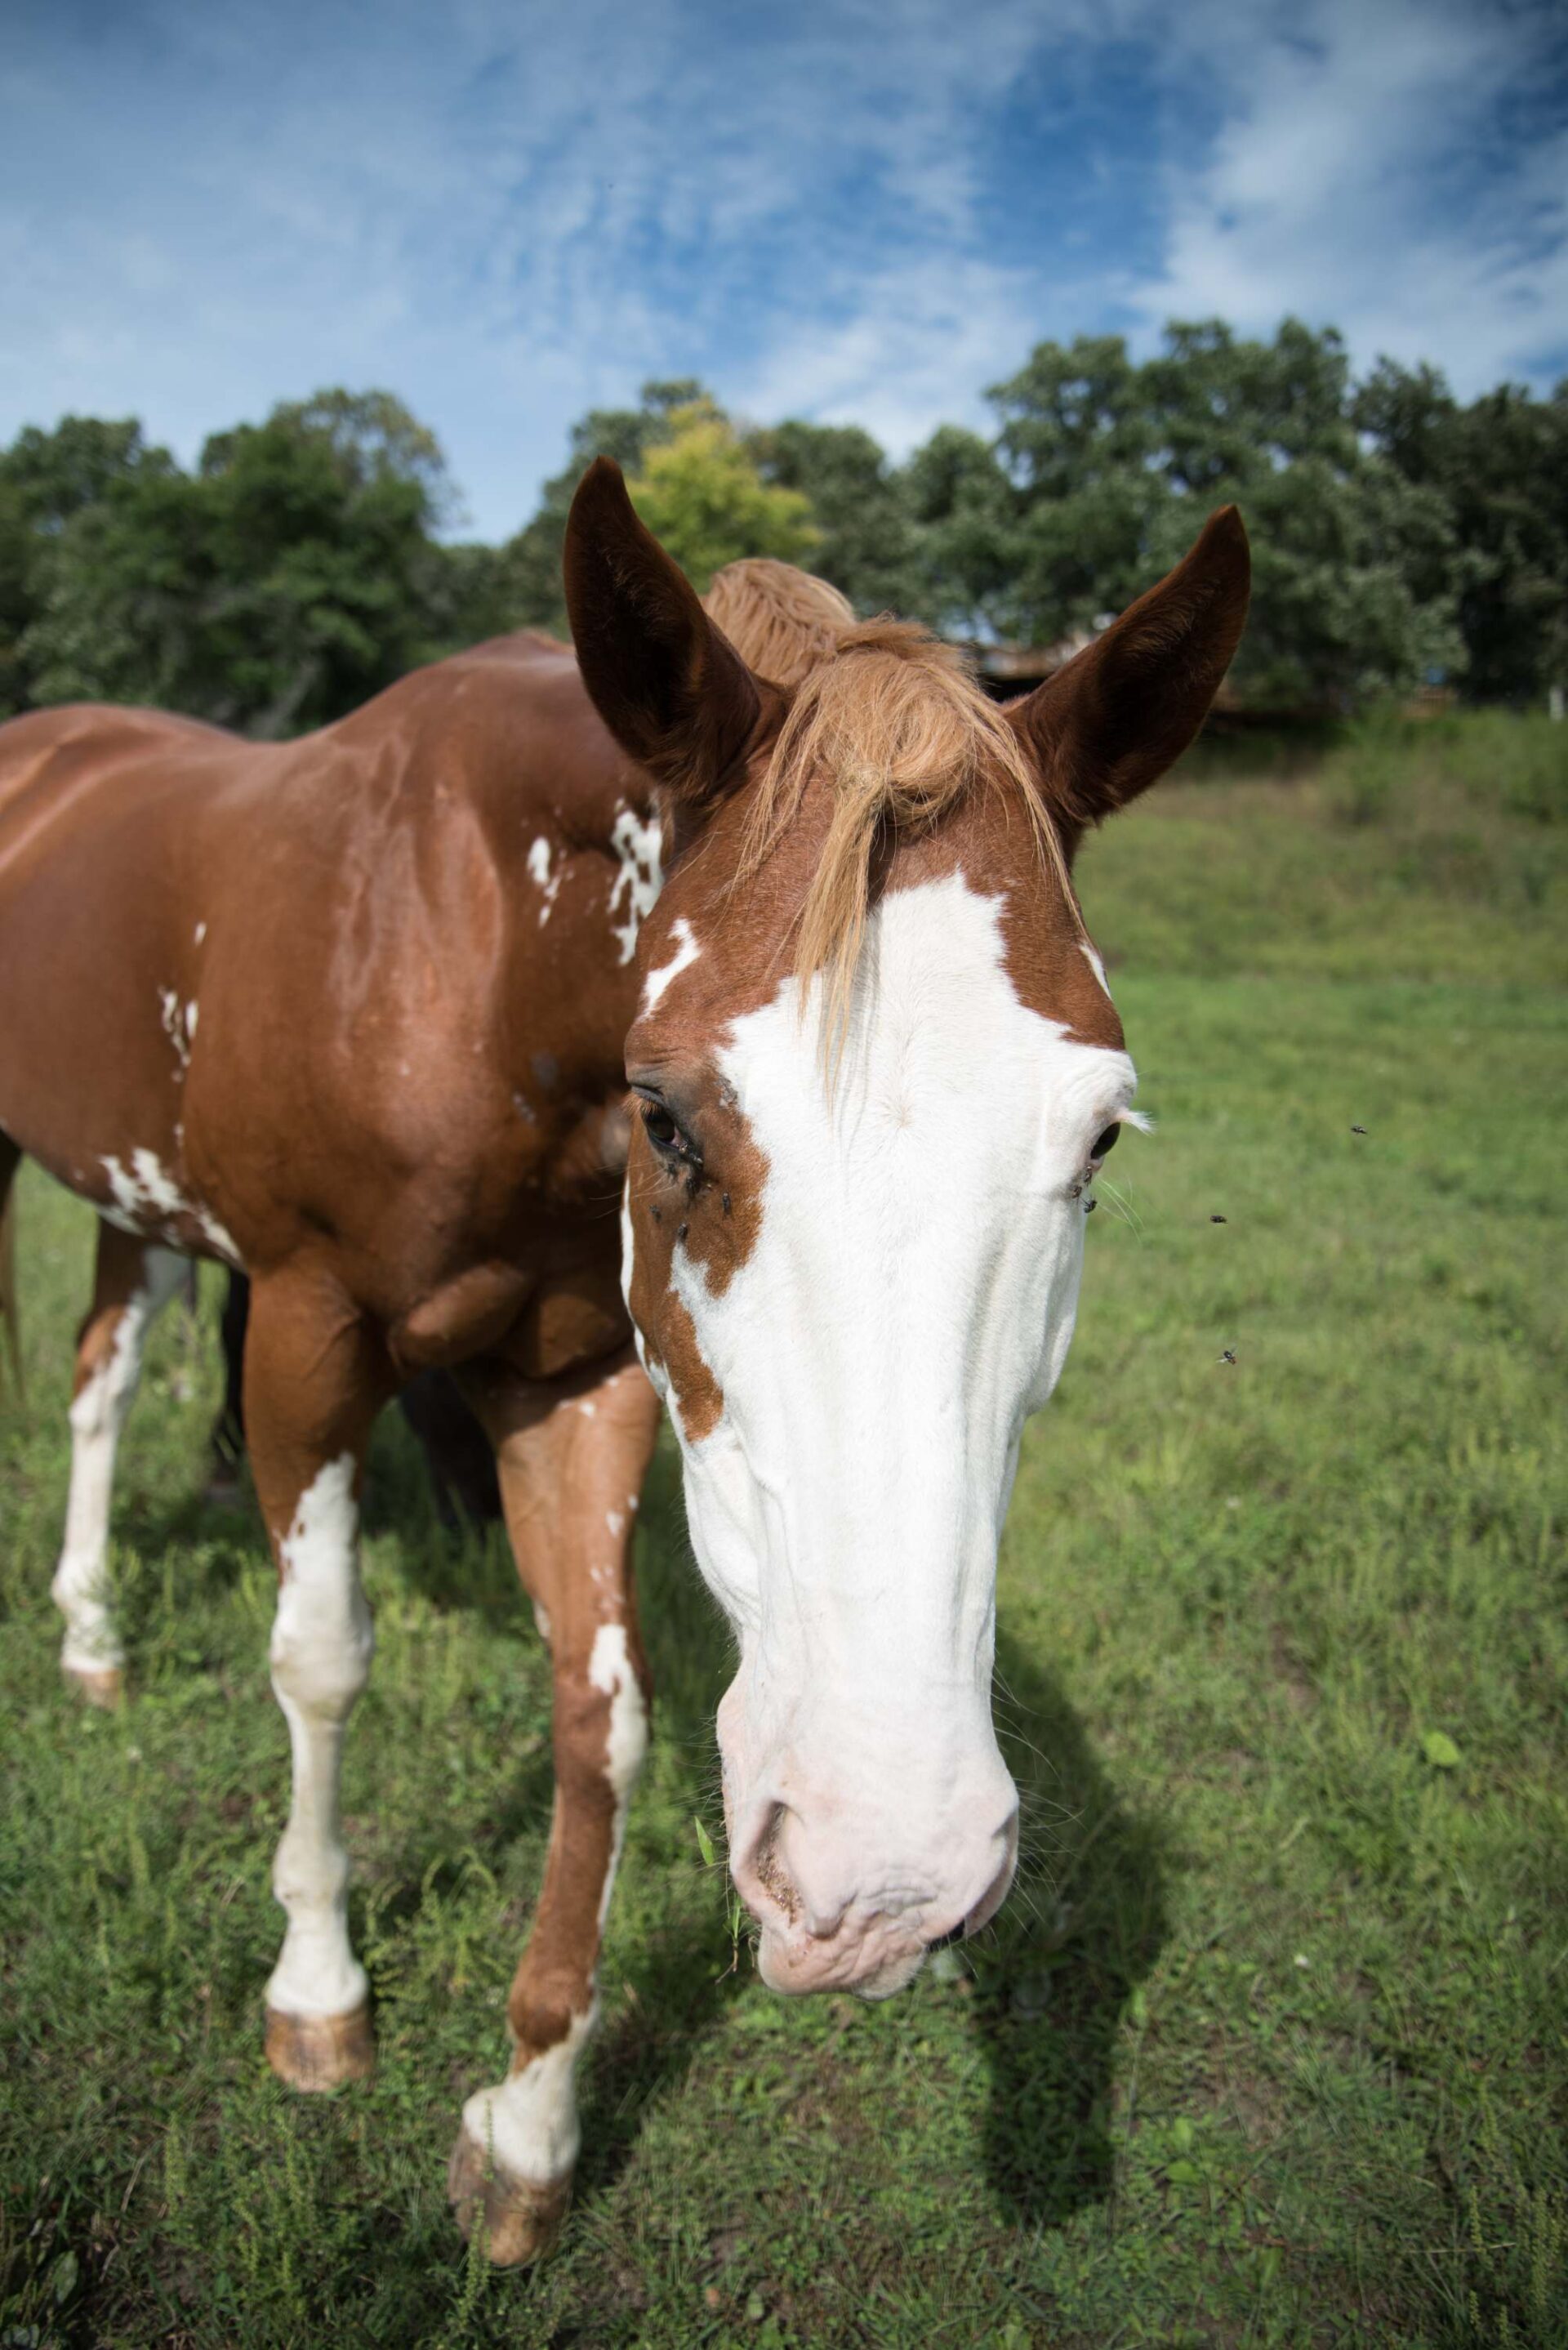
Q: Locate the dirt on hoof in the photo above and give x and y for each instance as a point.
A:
(320, 2051)
(520, 2221)
(104, 1688)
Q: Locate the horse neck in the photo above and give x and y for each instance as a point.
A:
(574, 838)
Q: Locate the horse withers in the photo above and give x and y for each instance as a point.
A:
(360, 1015)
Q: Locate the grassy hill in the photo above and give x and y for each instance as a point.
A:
(1268, 2048)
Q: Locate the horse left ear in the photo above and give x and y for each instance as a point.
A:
(1110, 724)
(669, 686)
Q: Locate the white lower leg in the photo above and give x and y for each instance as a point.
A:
(80, 1587)
(529, 2122)
(321, 1647)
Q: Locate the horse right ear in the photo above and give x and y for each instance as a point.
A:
(669, 686)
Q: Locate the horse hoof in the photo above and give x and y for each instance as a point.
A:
(520, 2221)
(103, 1686)
(320, 2051)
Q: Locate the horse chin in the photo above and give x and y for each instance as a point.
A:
(873, 1966)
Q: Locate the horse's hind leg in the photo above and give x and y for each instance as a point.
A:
(134, 1281)
(572, 1464)
(314, 1378)
(226, 1448)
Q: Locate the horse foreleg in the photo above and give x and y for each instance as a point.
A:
(314, 1381)
(133, 1283)
(571, 1475)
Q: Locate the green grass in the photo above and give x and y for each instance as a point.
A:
(1269, 2049)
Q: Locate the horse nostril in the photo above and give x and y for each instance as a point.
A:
(945, 1941)
(762, 1872)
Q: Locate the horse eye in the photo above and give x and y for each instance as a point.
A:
(1108, 1141)
(661, 1128)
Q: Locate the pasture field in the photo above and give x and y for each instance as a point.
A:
(1270, 2047)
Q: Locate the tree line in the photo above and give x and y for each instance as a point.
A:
(1400, 535)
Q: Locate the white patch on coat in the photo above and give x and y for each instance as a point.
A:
(910, 1299)
(530, 2122)
(200, 932)
(322, 1642)
(175, 1025)
(548, 883)
(98, 1414)
(1092, 957)
(638, 842)
(147, 1202)
(687, 950)
(213, 1231)
(610, 1668)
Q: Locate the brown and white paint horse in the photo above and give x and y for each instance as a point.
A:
(360, 1013)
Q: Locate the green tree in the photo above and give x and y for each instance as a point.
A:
(46, 480)
(869, 543)
(701, 492)
(373, 438)
(964, 510)
(292, 575)
(1354, 567)
(1104, 469)
(530, 564)
(1500, 467)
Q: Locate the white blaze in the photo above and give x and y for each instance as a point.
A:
(910, 1298)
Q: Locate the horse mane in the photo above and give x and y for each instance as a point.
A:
(781, 621)
(892, 719)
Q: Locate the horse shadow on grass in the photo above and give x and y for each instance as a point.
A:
(1054, 1973)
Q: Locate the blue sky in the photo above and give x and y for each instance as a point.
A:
(510, 213)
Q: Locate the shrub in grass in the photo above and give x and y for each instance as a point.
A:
(1500, 761)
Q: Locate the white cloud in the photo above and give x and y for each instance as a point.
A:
(511, 212)
(1347, 185)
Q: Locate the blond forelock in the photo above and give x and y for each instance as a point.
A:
(893, 723)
